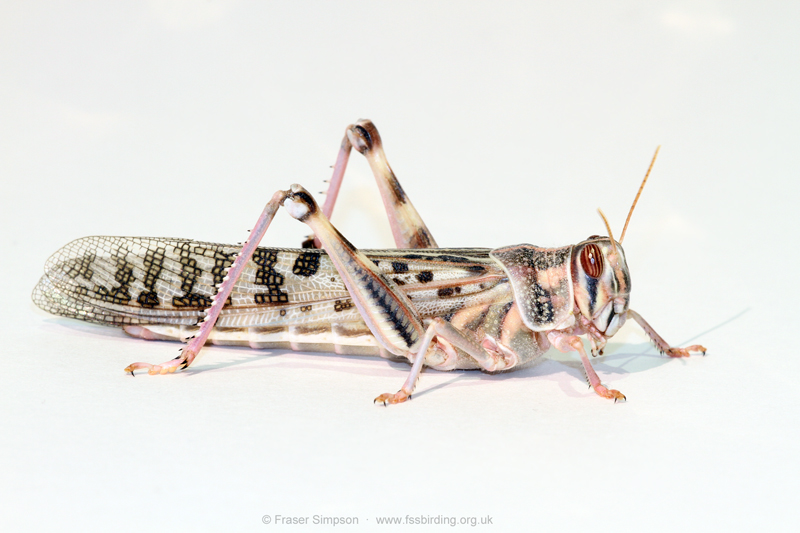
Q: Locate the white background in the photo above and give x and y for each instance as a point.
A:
(506, 123)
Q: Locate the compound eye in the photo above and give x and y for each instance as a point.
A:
(592, 260)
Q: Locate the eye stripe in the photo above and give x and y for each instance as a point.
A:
(592, 260)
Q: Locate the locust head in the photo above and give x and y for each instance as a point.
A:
(600, 278)
(552, 285)
(601, 283)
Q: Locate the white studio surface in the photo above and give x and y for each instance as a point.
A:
(506, 123)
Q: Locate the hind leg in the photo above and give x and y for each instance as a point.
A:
(189, 352)
(408, 229)
(387, 311)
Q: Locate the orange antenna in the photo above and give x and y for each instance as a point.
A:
(638, 194)
(608, 227)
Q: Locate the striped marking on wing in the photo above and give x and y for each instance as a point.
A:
(131, 280)
(442, 281)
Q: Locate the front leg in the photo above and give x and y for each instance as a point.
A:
(565, 342)
(660, 343)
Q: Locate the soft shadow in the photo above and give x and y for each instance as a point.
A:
(566, 368)
(85, 327)
(460, 375)
(619, 359)
(721, 324)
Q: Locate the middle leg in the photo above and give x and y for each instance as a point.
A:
(441, 329)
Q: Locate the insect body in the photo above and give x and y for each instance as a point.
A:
(448, 309)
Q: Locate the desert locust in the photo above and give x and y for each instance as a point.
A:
(445, 308)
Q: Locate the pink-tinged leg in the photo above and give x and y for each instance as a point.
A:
(336, 180)
(387, 311)
(408, 387)
(489, 360)
(660, 343)
(491, 355)
(334, 185)
(389, 314)
(408, 229)
(568, 343)
(407, 226)
(189, 353)
(497, 357)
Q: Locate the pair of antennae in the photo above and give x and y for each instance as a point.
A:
(635, 200)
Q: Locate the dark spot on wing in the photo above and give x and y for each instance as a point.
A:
(342, 305)
(153, 263)
(190, 272)
(306, 264)
(426, 276)
(190, 300)
(118, 295)
(399, 267)
(266, 275)
(148, 299)
(447, 258)
(81, 267)
(274, 296)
